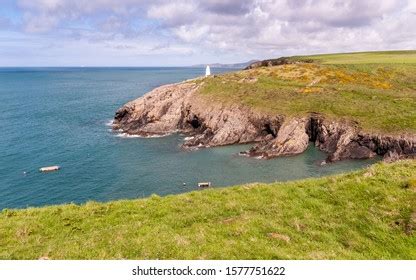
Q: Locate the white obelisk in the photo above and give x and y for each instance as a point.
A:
(207, 71)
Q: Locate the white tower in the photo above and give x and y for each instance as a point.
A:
(207, 71)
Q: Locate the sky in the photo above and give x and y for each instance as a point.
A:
(180, 33)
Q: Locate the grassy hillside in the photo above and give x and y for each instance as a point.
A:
(370, 214)
(378, 89)
(386, 57)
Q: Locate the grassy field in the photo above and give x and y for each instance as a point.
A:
(369, 214)
(378, 89)
(386, 57)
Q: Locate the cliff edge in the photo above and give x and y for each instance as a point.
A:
(180, 108)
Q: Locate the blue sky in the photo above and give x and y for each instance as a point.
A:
(176, 33)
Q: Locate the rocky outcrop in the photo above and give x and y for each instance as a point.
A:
(276, 62)
(291, 139)
(179, 108)
(159, 112)
(391, 147)
(338, 139)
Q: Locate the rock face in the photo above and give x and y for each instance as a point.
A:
(275, 62)
(179, 108)
(159, 112)
(291, 139)
(338, 139)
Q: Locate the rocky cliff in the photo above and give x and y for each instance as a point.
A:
(179, 108)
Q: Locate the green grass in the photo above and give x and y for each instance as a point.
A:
(362, 215)
(366, 57)
(376, 90)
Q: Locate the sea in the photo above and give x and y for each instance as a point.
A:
(62, 116)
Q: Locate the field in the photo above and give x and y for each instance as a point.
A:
(370, 214)
(377, 90)
(386, 57)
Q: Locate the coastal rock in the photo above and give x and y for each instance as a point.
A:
(276, 62)
(292, 139)
(159, 112)
(392, 147)
(177, 107)
(180, 108)
(391, 156)
(338, 139)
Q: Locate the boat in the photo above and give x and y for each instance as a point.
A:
(50, 168)
(207, 71)
(204, 184)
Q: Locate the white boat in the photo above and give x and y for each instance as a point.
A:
(204, 184)
(50, 168)
(207, 71)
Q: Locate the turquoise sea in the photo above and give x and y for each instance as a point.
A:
(60, 116)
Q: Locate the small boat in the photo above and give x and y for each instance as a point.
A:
(207, 71)
(204, 184)
(50, 168)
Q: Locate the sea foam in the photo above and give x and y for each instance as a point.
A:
(126, 135)
(109, 123)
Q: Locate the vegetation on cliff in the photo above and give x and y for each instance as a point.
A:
(375, 89)
(369, 214)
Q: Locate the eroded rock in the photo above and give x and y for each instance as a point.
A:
(179, 108)
(291, 139)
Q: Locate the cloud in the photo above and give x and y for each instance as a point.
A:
(191, 33)
(223, 28)
(284, 26)
(227, 7)
(174, 13)
(40, 23)
(336, 13)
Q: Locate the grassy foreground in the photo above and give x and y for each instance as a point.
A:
(375, 89)
(369, 214)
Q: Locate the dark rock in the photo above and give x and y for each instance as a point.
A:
(276, 62)
(391, 156)
(355, 151)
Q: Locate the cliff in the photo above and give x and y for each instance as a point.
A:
(180, 108)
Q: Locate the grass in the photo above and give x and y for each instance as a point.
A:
(369, 214)
(385, 57)
(377, 90)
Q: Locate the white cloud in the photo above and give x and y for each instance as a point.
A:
(191, 34)
(251, 29)
(173, 13)
(40, 23)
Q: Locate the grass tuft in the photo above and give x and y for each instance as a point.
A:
(411, 184)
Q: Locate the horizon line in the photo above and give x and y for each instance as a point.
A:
(186, 66)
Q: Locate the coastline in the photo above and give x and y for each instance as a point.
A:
(180, 108)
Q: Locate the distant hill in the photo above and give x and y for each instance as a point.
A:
(221, 65)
